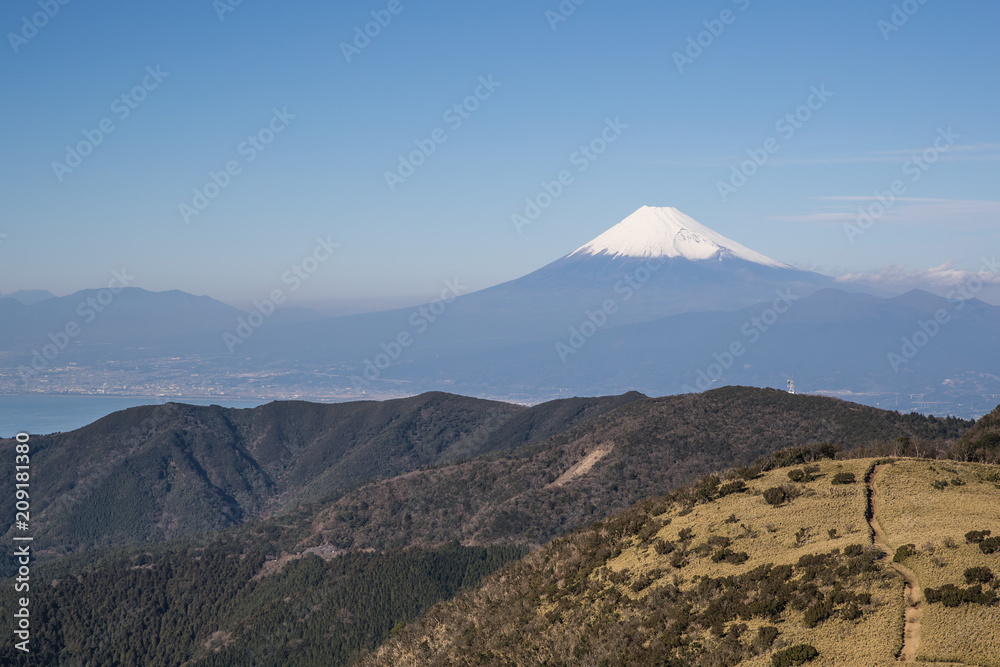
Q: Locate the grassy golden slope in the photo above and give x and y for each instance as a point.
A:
(769, 534)
(584, 598)
(936, 520)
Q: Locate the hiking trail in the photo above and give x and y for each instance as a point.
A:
(912, 591)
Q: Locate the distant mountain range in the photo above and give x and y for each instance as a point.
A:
(659, 303)
(29, 297)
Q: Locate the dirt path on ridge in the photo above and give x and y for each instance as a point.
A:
(912, 591)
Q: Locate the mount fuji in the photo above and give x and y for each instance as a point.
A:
(654, 263)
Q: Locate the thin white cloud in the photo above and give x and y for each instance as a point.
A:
(902, 199)
(953, 213)
(982, 152)
(956, 148)
(934, 279)
(954, 154)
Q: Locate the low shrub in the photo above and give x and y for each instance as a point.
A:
(990, 545)
(729, 488)
(951, 595)
(775, 495)
(719, 541)
(904, 552)
(978, 575)
(747, 473)
(663, 547)
(818, 613)
(852, 612)
(727, 555)
(977, 536)
(844, 478)
(796, 655)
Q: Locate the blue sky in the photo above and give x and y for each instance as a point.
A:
(222, 75)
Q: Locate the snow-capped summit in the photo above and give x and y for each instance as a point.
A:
(701, 270)
(666, 232)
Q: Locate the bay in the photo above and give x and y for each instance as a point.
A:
(39, 414)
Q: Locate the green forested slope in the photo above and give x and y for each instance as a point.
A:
(981, 442)
(153, 473)
(180, 602)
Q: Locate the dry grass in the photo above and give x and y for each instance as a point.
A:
(769, 535)
(914, 512)
(766, 533)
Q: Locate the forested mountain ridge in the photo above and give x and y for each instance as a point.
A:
(157, 472)
(531, 494)
(981, 442)
(182, 602)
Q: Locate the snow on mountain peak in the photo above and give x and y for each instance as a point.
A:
(666, 232)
